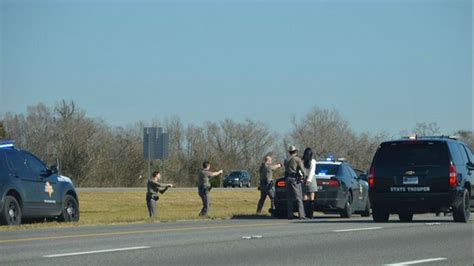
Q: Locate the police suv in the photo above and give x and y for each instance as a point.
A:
(31, 190)
(340, 190)
(421, 175)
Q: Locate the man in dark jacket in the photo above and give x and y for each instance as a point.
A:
(153, 188)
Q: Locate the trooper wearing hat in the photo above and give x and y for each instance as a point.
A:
(294, 172)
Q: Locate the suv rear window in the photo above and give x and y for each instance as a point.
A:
(326, 169)
(419, 153)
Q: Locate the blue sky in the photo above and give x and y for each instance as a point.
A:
(384, 65)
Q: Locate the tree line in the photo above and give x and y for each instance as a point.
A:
(95, 154)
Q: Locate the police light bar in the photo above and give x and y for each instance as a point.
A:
(414, 136)
(7, 144)
(330, 158)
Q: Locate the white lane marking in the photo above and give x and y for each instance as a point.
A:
(252, 237)
(93, 252)
(415, 262)
(357, 229)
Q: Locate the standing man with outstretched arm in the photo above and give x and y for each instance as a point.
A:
(266, 183)
(205, 186)
(153, 188)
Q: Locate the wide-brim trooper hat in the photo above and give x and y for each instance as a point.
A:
(292, 148)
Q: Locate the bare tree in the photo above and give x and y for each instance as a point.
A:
(324, 131)
(3, 133)
(426, 129)
(327, 133)
(466, 136)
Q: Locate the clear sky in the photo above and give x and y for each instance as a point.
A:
(383, 64)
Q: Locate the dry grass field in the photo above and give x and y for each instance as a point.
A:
(99, 208)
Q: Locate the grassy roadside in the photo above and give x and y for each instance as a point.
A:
(98, 208)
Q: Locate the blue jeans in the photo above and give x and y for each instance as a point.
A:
(204, 194)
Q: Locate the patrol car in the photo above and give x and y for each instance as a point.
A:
(31, 190)
(422, 174)
(340, 190)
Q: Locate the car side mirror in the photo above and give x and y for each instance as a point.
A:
(470, 166)
(53, 169)
(45, 173)
(363, 177)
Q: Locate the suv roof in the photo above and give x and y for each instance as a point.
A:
(415, 137)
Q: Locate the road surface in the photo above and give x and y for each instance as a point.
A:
(326, 240)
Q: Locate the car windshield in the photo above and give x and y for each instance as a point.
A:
(234, 174)
(326, 169)
(419, 153)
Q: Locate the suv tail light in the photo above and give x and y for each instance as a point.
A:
(453, 175)
(370, 177)
(281, 184)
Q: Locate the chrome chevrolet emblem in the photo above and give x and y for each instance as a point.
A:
(409, 172)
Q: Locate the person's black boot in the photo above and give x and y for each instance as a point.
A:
(305, 206)
(309, 212)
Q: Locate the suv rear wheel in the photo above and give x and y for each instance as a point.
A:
(462, 212)
(380, 216)
(11, 213)
(405, 216)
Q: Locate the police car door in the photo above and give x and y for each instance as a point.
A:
(357, 190)
(354, 186)
(28, 184)
(47, 185)
(470, 172)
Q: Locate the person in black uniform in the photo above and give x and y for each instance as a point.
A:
(294, 172)
(153, 188)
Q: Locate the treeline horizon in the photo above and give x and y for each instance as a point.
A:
(95, 154)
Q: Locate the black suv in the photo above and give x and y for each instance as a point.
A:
(30, 190)
(421, 175)
(237, 178)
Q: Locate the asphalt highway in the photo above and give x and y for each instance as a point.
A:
(326, 240)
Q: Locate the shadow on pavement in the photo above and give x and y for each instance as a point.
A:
(336, 219)
(368, 220)
(252, 217)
